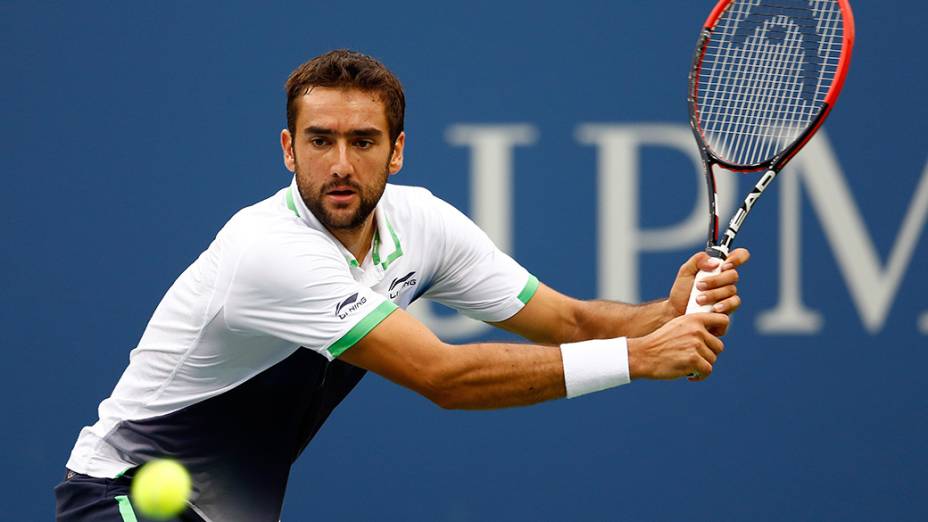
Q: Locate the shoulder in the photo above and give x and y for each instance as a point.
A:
(410, 201)
(267, 241)
(268, 214)
(271, 225)
(441, 229)
(419, 206)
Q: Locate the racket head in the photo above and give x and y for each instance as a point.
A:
(765, 75)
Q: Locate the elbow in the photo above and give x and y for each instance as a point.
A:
(437, 385)
(441, 393)
(574, 329)
(445, 401)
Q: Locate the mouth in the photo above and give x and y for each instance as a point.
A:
(341, 194)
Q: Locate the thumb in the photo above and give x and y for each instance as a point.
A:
(693, 264)
(708, 263)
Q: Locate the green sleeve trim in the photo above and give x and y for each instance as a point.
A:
(529, 289)
(290, 204)
(125, 509)
(361, 329)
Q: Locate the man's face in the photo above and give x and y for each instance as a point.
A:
(341, 154)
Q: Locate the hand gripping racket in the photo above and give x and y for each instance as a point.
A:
(764, 77)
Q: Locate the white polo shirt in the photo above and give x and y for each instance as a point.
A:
(275, 280)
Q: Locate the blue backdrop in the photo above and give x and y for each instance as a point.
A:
(131, 133)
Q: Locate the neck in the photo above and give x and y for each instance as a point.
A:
(357, 240)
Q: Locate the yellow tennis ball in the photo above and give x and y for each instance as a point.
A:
(160, 489)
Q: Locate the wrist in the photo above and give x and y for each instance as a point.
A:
(636, 364)
(656, 314)
(667, 312)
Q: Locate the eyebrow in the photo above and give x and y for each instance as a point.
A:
(364, 132)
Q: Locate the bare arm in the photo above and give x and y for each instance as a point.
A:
(472, 376)
(498, 375)
(553, 318)
(661, 345)
(550, 317)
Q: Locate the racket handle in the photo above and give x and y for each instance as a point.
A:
(693, 307)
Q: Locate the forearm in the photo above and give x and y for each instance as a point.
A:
(607, 319)
(488, 375)
(497, 375)
(553, 318)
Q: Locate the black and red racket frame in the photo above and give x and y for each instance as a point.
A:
(771, 167)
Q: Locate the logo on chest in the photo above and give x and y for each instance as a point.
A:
(400, 283)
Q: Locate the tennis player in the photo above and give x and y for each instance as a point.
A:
(299, 295)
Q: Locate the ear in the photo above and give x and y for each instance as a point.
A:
(286, 146)
(396, 160)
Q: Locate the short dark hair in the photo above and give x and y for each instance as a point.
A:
(348, 69)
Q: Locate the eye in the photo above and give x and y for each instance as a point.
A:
(318, 141)
(364, 144)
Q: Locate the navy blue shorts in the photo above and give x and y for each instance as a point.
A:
(80, 498)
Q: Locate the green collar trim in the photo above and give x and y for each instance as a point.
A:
(375, 248)
(290, 204)
(396, 243)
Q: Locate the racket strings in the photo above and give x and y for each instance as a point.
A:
(765, 74)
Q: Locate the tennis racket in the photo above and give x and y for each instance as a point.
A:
(765, 75)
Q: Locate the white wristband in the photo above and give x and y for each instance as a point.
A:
(596, 365)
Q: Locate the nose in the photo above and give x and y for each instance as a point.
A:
(342, 166)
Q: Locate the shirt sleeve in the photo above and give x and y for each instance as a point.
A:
(299, 288)
(474, 276)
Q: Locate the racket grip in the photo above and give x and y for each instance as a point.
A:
(692, 307)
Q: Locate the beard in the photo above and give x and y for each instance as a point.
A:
(335, 217)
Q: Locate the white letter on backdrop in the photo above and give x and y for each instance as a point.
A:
(872, 287)
(621, 240)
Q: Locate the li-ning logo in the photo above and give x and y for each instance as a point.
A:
(400, 283)
(352, 303)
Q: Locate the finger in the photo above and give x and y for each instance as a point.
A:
(714, 344)
(737, 257)
(717, 295)
(702, 371)
(728, 277)
(692, 264)
(709, 354)
(715, 326)
(705, 369)
(711, 321)
(727, 306)
(720, 330)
